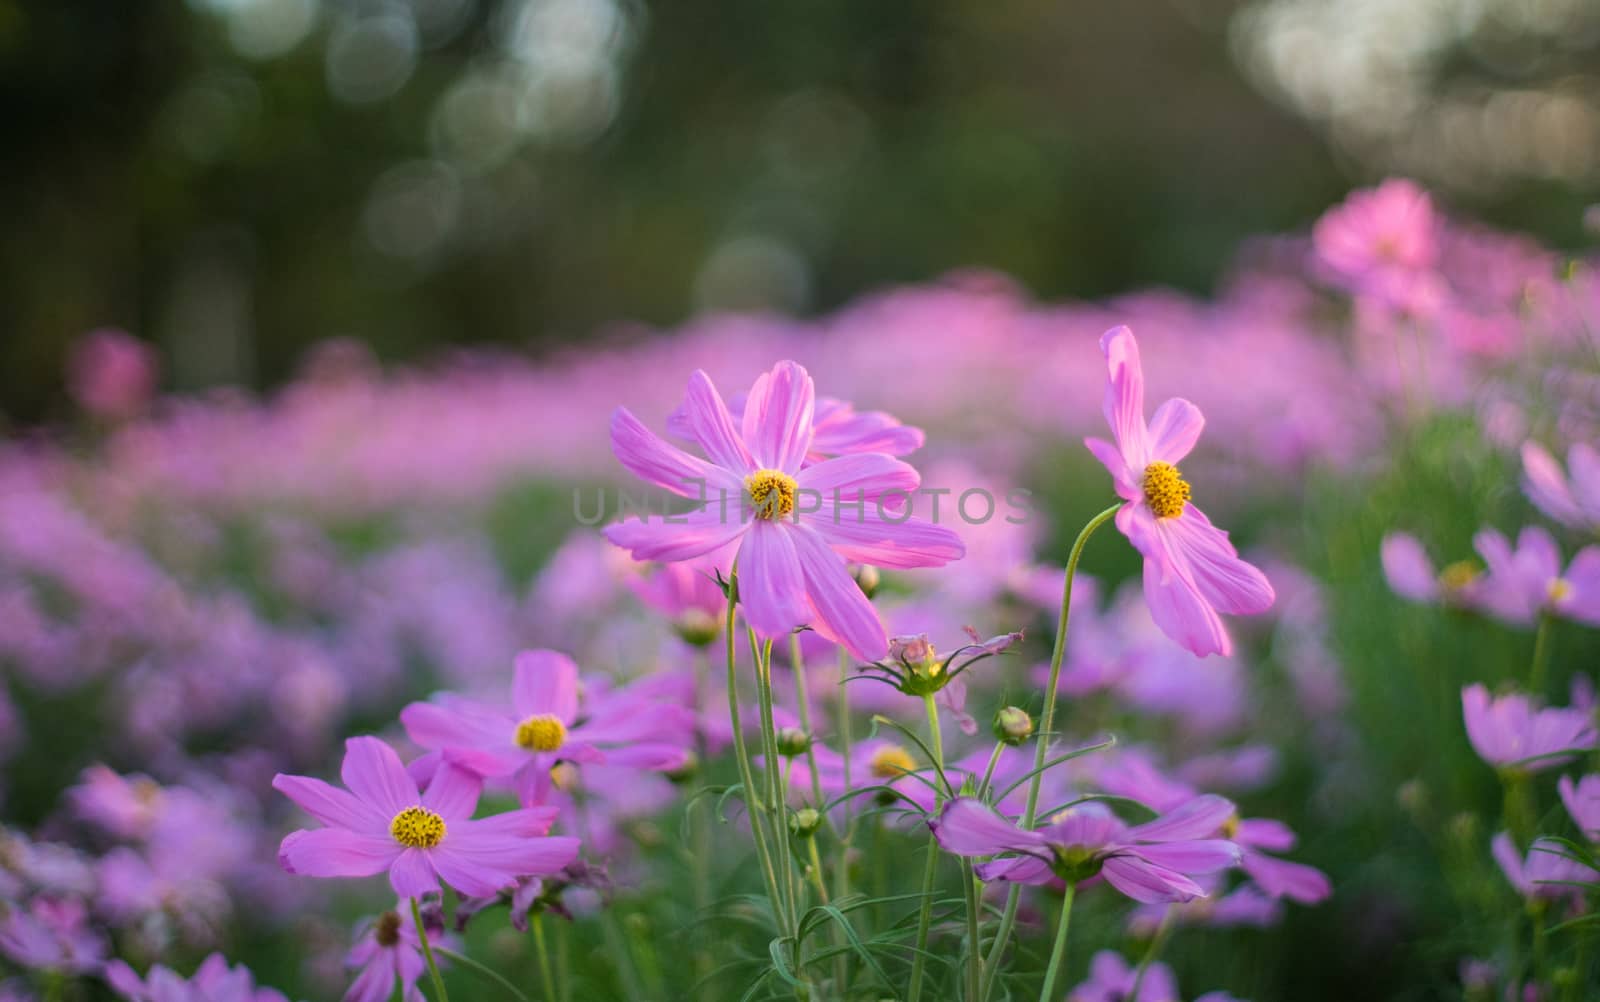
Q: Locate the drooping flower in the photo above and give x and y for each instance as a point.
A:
(790, 526)
(384, 823)
(214, 981)
(1573, 500)
(1154, 861)
(916, 669)
(1191, 570)
(388, 952)
(1548, 873)
(837, 429)
(548, 721)
(1582, 800)
(1527, 581)
(1512, 732)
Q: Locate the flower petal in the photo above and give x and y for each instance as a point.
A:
(1124, 479)
(413, 874)
(871, 539)
(335, 852)
(778, 415)
(332, 806)
(772, 590)
(1229, 584)
(712, 426)
(1174, 429)
(1148, 883)
(453, 793)
(1124, 399)
(374, 773)
(1406, 566)
(969, 827)
(1281, 878)
(858, 476)
(545, 682)
(1194, 819)
(840, 611)
(670, 538)
(648, 457)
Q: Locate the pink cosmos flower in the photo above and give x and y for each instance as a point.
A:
(1111, 979)
(384, 823)
(1149, 862)
(51, 934)
(215, 981)
(547, 722)
(1526, 582)
(1191, 571)
(838, 429)
(1573, 501)
(792, 527)
(1582, 800)
(688, 595)
(1383, 242)
(1547, 874)
(112, 374)
(1511, 732)
(1411, 575)
(388, 952)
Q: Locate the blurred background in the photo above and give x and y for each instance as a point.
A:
(235, 180)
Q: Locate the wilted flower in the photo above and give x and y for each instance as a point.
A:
(1149, 862)
(385, 824)
(1191, 571)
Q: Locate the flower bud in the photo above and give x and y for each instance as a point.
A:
(805, 822)
(687, 769)
(867, 578)
(1013, 725)
(696, 627)
(792, 741)
(916, 652)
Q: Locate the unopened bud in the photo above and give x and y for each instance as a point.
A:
(805, 822)
(792, 741)
(867, 579)
(916, 652)
(1013, 725)
(697, 627)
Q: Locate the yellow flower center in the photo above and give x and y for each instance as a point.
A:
(417, 828)
(1458, 575)
(1165, 490)
(891, 761)
(771, 493)
(387, 931)
(542, 732)
(1560, 590)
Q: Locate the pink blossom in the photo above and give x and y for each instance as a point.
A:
(754, 492)
(1527, 581)
(1571, 498)
(1512, 732)
(214, 981)
(384, 823)
(1191, 571)
(1582, 800)
(1111, 979)
(112, 374)
(1548, 873)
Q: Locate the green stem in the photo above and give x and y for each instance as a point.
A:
(988, 773)
(546, 973)
(755, 809)
(484, 970)
(563, 962)
(972, 889)
(1157, 941)
(803, 697)
(772, 774)
(701, 833)
(1046, 731)
(427, 952)
(1541, 655)
(925, 916)
(1058, 952)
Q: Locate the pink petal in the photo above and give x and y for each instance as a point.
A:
(330, 805)
(1195, 856)
(1194, 819)
(375, 983)
(374, 773)
(335, 852)
(1125, 480)
(1546, 486)
(712, 426)
(1266, 833)
(458, 723)
(478, 863)
(1148, 883)
(669, 539)
(1174, 429)
(546, 682)
(453, 793)
(1124, 399)
(870, 539)
(1584, 576)
(778, 415)
(1016, 870)
(1175, 602)
(527, 822)
(861, 475)
(969, 827)
(652, 460)
(413, 875)
(1406, 566)
(1282, 879)
(842, 613)
(1229, 584)
(772, 591)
